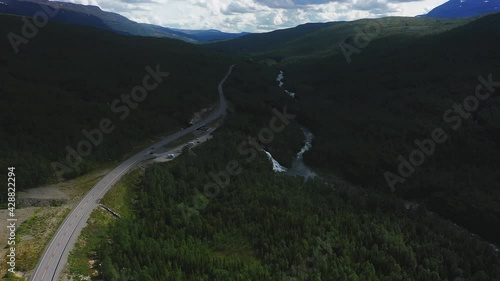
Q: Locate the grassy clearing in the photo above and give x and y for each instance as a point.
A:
(33, 236)
(12, 277)
(81, 260)
(35, 233)
(78, 187)
(119, 197)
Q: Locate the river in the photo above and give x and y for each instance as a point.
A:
(299, 168)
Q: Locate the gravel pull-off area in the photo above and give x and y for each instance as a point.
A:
(42, 196)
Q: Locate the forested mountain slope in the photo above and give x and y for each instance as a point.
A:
(67, 78)
(263, 226)
(323, 39)
(396, 91)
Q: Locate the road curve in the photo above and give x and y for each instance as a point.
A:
(56, 254)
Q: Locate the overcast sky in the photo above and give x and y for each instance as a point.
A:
(256, 15)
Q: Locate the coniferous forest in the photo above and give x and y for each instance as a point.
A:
(220, 213)
(72, 77)
(263, 226)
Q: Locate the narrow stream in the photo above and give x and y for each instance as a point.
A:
(299, 168)
(279, 79)
(277, 167)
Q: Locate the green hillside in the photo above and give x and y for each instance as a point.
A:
(264, 226)
(220, 212)
(393, 93)
(313, 40)
(66, 79)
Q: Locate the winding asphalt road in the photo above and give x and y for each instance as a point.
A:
(56, 254)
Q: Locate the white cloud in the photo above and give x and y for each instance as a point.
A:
(256, 15)
(83, 2)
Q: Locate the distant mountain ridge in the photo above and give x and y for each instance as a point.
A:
(93, 16)
(323, 39)
(464, 9)
(198, 35)
(209, 35)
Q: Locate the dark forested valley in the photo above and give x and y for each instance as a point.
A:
(218, 211)
(67, 80)
(394, 93)
(264, 226)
